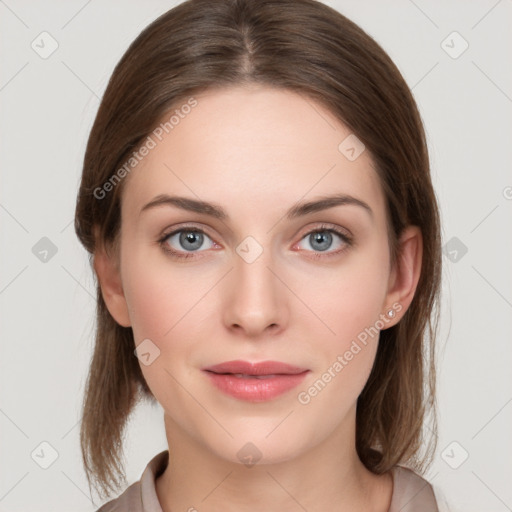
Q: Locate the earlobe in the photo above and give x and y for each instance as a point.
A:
(405, 274)
(109, 278)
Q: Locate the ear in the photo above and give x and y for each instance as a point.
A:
(405, 274)
(107, 269)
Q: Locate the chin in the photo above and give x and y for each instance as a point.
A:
(251, 446)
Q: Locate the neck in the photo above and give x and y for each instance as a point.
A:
(329, 476)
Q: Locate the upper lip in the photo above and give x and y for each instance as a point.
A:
(258, 368)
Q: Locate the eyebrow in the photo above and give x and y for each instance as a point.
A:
(216, 211)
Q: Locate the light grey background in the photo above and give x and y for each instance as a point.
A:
(47, 324)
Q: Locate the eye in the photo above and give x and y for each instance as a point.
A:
(185, 240)
(320, 240)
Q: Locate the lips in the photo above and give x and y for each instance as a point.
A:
(260, 369)
(255, 382)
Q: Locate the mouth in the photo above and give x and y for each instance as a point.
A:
(258, 369)
(255, 382)
(245, 376)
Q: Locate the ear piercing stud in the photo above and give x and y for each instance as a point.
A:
(391, 313)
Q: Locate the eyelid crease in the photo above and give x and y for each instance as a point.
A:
(324, 226)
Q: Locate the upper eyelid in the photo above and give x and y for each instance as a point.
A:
(178, 229)
(324, 226)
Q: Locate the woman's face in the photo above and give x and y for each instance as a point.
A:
(257, 285)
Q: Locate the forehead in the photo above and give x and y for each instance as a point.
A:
(252, 147)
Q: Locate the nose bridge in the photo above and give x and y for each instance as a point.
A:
(256, 300)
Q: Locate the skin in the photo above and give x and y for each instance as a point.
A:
(257, 151)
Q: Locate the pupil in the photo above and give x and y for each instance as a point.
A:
(323, 239)
(193, 238)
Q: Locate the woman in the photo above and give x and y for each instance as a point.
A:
(257, 204)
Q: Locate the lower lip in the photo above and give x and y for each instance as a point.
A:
(255, 390)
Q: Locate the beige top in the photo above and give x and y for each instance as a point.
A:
(411, 493)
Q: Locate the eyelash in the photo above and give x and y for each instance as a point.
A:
(315, 255)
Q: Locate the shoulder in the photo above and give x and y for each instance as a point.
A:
(141, 496)
(129, 501)
(411, 492)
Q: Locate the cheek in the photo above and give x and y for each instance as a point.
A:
(163, 305)
(348, 298)
(349, 304)
(160, 295)
(345, 359)
(150, 308)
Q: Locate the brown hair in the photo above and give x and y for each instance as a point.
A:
(306, 47)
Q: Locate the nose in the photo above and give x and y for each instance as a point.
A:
(255, 301)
